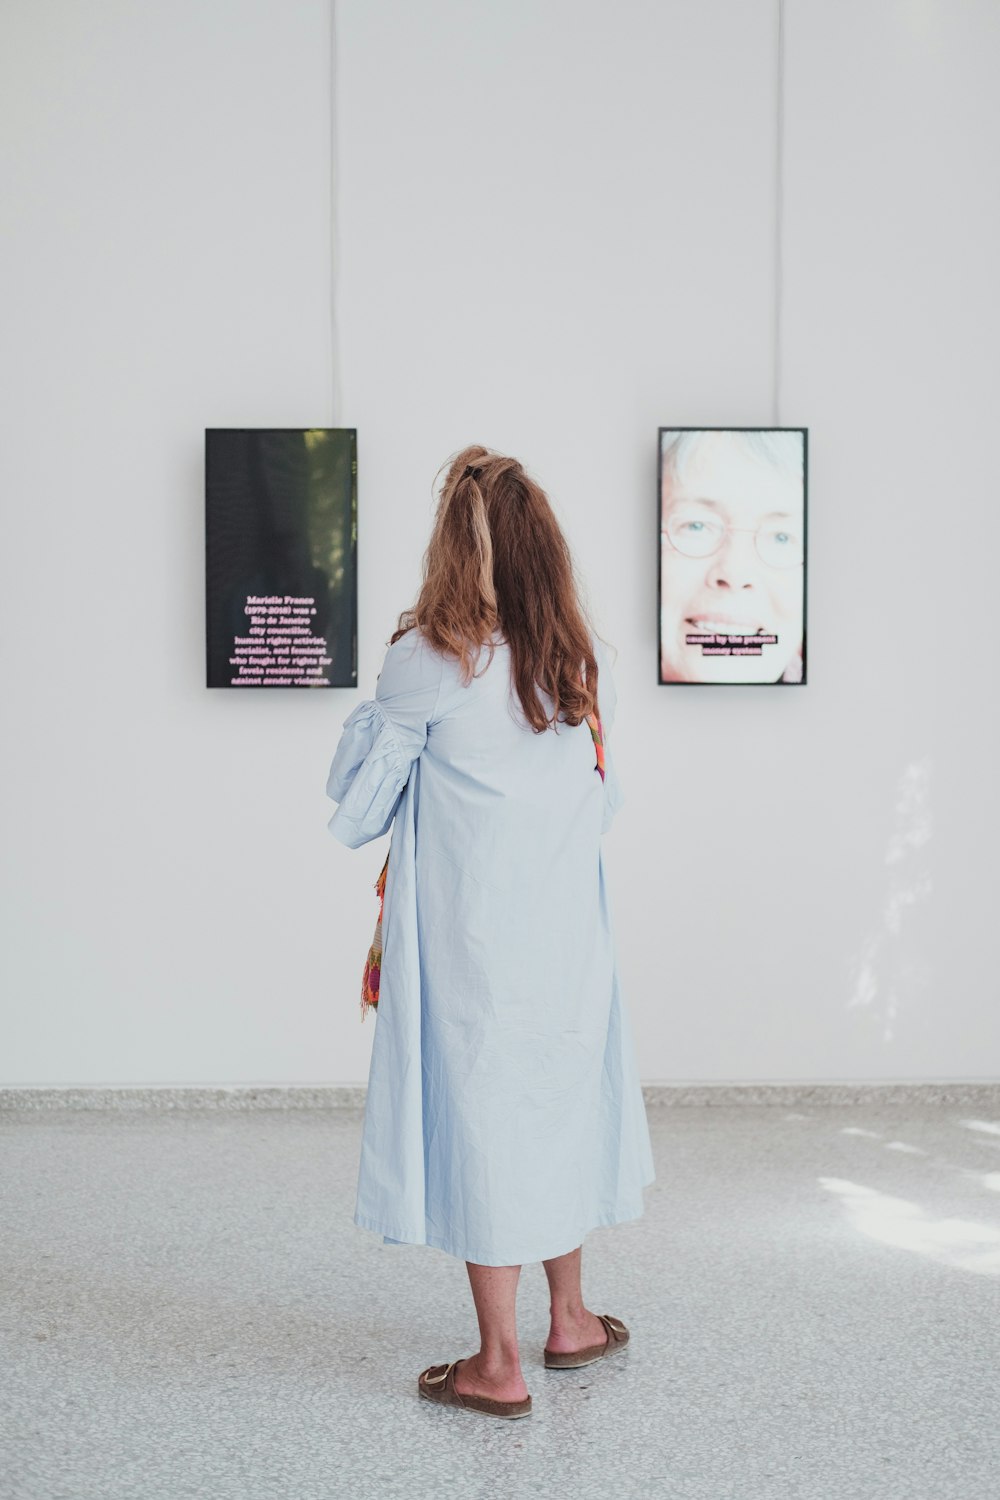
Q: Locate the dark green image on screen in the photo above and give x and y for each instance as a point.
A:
(281, 526)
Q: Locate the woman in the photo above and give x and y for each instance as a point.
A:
(504, 1116)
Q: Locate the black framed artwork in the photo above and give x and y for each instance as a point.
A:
(281, 520)
(731, 507)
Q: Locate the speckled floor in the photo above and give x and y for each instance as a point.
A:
(188, 1310)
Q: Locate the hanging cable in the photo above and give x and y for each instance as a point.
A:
(779, 207)
(335, 392)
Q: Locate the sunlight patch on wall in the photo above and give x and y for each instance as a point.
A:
(886, 971)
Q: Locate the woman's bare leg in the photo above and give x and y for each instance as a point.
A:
(571, 1326)
(496, 1370)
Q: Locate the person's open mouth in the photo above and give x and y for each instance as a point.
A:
(724, 625)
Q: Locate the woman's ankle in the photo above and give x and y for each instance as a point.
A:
(567, 1319)
(498, 1362)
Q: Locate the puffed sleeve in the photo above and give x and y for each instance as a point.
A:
(381, 738)
(607, 704)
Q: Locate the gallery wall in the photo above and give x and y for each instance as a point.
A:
(552, 227)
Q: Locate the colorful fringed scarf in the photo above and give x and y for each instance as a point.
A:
(597, 730)
(373, 963)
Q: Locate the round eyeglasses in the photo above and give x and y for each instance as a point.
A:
(776, 547)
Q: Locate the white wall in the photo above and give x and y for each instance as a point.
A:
(556, 231)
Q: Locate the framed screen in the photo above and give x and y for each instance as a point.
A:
(281, 514)
(731, 514)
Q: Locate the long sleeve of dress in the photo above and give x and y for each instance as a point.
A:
(381, 738)
(607, 695)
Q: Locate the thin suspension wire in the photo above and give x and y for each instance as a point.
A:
(334, 273)
(779, 206)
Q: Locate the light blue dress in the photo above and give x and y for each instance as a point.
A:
(504, 1116)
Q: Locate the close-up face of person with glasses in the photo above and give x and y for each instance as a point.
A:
(732, 533)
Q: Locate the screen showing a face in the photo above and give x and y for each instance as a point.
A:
(732, 557)
(281, 556)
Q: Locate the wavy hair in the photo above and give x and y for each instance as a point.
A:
(497, 560)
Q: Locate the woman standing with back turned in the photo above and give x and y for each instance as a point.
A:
(504, 1116)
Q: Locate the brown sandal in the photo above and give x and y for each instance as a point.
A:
(437, 1383)
(617, 1339)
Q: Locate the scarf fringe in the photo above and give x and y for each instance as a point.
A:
(373, 963)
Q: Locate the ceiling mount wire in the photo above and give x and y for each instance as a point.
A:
(334, 267)
(779, 204)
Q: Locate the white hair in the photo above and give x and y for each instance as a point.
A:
(784, 449)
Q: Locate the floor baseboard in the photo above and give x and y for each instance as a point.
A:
(983, 1094)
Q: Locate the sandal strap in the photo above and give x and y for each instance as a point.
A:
(615, 1327)
(441, 1379)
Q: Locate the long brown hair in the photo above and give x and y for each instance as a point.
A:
(497, 559)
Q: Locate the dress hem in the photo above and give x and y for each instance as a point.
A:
(413, 1237)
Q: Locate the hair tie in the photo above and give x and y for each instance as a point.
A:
(471, 472)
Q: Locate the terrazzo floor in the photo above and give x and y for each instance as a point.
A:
(188, 1310)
